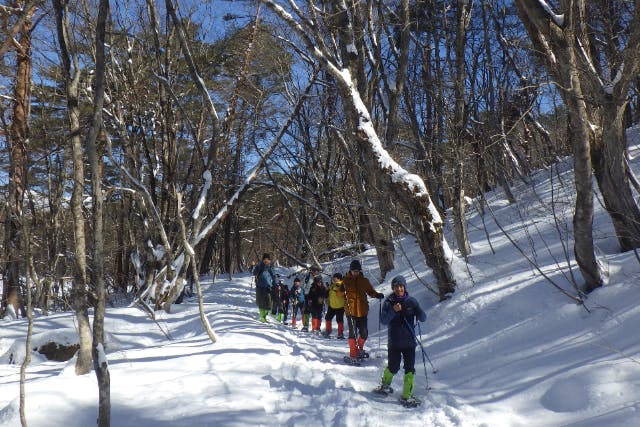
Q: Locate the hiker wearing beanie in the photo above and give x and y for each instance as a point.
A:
(356, 308)
(400, 312)
(265, 279)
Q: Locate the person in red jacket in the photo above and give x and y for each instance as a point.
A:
(356, 308)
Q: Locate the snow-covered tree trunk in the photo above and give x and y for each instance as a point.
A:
(409, 189)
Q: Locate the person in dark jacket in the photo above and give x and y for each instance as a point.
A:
(400, 312)
(285, 303)
(265, 278)
(279, 295)
(296, 295)
(314, 272)
(315, 303)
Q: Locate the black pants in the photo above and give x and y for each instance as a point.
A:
(276, 306)
(337, 312)
(263, 298)
(407, 354)
(297, 307)
(359, 325)
(315, 312)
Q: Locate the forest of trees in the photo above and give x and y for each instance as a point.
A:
(143, 143)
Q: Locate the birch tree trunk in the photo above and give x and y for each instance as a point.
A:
(557, 45)
(566, 40)
(72, 79)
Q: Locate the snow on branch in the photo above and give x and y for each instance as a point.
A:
(396, 171)
(557, 19)
(224, 211)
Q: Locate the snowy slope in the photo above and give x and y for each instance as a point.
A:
(510, 348)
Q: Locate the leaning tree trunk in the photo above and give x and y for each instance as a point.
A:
(409, 189)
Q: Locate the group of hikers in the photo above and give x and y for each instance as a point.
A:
(346, 296)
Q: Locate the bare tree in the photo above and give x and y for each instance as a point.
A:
(594, 67)
(72, 73)
(95, 157)
(18, 160)
(409, 189)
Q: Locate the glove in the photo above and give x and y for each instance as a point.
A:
(380, 295)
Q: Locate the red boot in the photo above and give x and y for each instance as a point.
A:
(353, 350)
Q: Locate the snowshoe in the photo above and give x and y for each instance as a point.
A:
(354, 361)
(363, 354)
(383, 389)
(410, 402)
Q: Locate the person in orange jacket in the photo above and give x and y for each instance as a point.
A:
(356, 308)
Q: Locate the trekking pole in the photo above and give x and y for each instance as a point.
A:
(379, 316)
(424, 364)
(424, 353)
(423, 350)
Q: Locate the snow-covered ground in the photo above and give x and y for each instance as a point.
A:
(510, 349)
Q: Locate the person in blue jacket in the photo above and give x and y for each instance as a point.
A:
(400, 312)
(265, 279)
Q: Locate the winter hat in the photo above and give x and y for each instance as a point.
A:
(399, 281)
(266, 256)
(337, 276)
(355, 265)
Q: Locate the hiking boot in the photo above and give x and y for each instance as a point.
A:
(410, 402)
(363, 354)
(351, 361)
(326, 334)
(340, 337)
(304, 329)
(384, 389)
